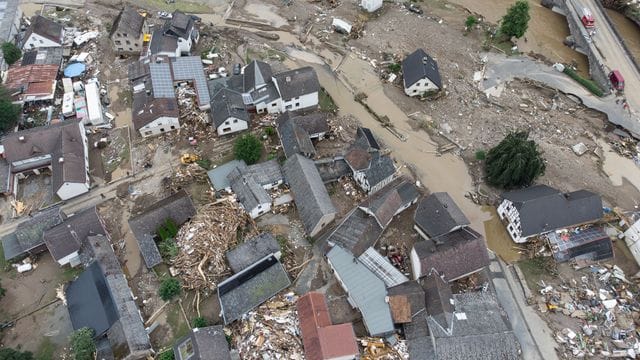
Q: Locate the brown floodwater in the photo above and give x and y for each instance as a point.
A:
(629, 32)
(498, 240)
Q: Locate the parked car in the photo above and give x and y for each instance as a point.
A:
(237, 68)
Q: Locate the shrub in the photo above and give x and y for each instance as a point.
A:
(269, 131)
(394, 68)
(516, 20)
(470, 22)
(82, 344)
(11, 354)
(167, 355)
(199, 322)
(9, 112)
(204, 163)
(11, 53)
(169, 288)
(167, 230)
(168, 248)
(588, 84)
(248, 148)
(481, 155)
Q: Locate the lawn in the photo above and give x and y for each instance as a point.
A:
(46, 349)
(175, 320)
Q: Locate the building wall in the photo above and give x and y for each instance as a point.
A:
(85, 142)
(415, 264)
(13, 31)
(124, 43)
(324, 221)
(508, 213)
(259, 210)
(300, 102)
(273, 185)
(232, 125)
(36, 41)
(420, 232)
(184, 46)
(70, 190)
(421, 87)
(159, 126)
(371, 5)
(271, 108)
(65, 260)
(632, 238)
(381, 184)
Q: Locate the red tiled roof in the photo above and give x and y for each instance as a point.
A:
(36, 76)
(40, 88)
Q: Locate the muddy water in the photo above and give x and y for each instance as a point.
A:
(123, 118)
(497, 237)
(266, 12)
(629, 32)
(617, 167)
(546, 29)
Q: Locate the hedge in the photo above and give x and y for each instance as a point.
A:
(590, 85)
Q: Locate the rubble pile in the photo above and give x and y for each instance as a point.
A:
(378, 349)
(604, 306)
(270, 332)
(203, 242)
(185, 175)
(627, 147)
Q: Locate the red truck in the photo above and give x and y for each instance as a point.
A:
(617, 81)
(587, 19)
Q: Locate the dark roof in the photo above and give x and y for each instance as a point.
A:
(5, 176)
(365, 139)
(438, 299)
(43, 56)
(256, 74)
(454, 255)
(179, 25)
(380, 168)
(128, 21)
(438, 214)
(226, 104)
(265, 94)
(137, 70)
(265, 173)
(592, 244)
(298, 82)
(357, 158)
(206, 343)
(28, 234)
(249, 193)
(542, 208)
(160, 43)
(46, 28)
(294, 138)
(413, 292)
(332, 169)
(177, 207)
(417, 66)
(314, 123)
(68, 236)
(357, 232)
(251, 251)
(310, 194)
(233, 82)
(251, 287)
(90, 302)
(391, 199)
(146, 109)
(218, 175)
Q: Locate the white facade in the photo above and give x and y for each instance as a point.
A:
(371, 5)
(509, 213)
(70, 190)
(36, 41)
(362, 181)
(232, 125)
(416, 266)
(422, 86)
(159, 126)
(184, 46)
(94, 106)
(300, 102)
(324, 221)
(273, 107)
(632, 238)
(261, 209)
(67, 259)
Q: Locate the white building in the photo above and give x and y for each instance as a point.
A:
(228, 112)
(127, 32)
(632, 239)
(94, 105)
(252, 196)
(43, 33)
(371, 5)
(298, 89)
(420, 74)
(176, 37)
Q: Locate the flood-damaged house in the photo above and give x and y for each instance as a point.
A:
(43, 32)
(252, 250)
(203, 344)
(371, 170)
(297, 132)
(175, 37)
(128, 31)
(420, 74)
(28, 239)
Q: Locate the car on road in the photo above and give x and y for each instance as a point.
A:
(617, 81)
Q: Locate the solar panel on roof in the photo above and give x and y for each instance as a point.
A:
(190, 68)
(161, 81)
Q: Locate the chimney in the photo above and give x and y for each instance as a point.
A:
(425, 60)
(288, 79)
(21, 138)
(61, 160)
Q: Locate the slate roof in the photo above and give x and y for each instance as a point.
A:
(542, 208)
(5, 176)
(365, 139)
(265, 173)
(438, 214)
(128, 21)
(310, 194)
(146, 109)
(357, 232)
(256, 74)
(189, 68)
(46, 28)
(179, 25)
(68, 236)
(297, 82)
(385, 203)
(177, 207)
(29, 234)
(365, 289)
(137, 70)
(225, 104)
(413, 292)
(218, 175)
(249, 193)
(454, 254)
(160, 43)
(380, 168)
(419, 65)
(382, 268)
(233, 82)
(332, 169)
(207, 343)
(251, 250)
(265, 94)
(357, 158)
(294, 139)
(251, 287)
(438, 300)
(43, 56)
(313, 123)
(8, 17)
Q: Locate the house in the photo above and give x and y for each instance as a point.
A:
(251, 251)
(365, 291)
(455, 255)
(437, 214)
(27, 239)
(371, 5)
(406, 301)
(65, 240)
(315, 123)
(43, 33)
(32, 83)
(257, 74)
(540, 209)
(252, 286)
(460, 326)
(175, 37)
(370, 170)
(228, 112)
(267, 173)
(321, 339)
(294, 137)
(420, 74)
(9, 25)
(177, 207)
(43, 56)
(189, 69)
(203, 344)
(62, 148)
(312, 200)
(127, 32)
(253, 198)
(591, 243)
(298, 89)
(218, 176)
(154, 116)
(397, 196)
(100, 298)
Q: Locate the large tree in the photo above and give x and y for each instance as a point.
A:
(9, 112)
(515, 162)
(516, 20)
(248, 148)
(11, 354)
(82, 344)
(11, 53)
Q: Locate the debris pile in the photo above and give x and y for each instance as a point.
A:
(186, 175)
(270, 332)
(203, 242)
(378, 349)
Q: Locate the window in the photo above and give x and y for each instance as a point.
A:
(118, 34)
(227, 122)
(41, 42)
(298, 104)
(274, 104)
(186, 349)
(235, 121)
(161, 129)
(147, 132)
(118, 42)
(289, 107)
(120, 49)
(130, 49)
(135, 44)
(415, 91)
(124, 34)
(128, 42)
(226, 130)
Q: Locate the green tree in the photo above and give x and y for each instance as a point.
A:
(2, 291)
(11, 53)
(514, 162)
(11, 354)
(9, 112)
(82, 344)
(169, 288)
(515, 21)
(248, 148)
(167, 355)
(199, 322)
(470, 22)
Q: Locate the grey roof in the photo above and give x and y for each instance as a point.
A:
(46, 28)
(146, 108)
(390, 200)
(28, 234)
(438, 214)
(206, 343)
(294, 138)
(160, 43)
(251, 251)
(265, 94)
(128, 21)
(417, 66)
(357, 232)
(365, 139)
(218, 175)
(414, 293)
(382, 268)
(314, 123)
(5, 176)
(593, 244)
(438, 301)
(43, 56)
(249, 193)
(542, 208)
(251, 287)
(297, 82)
(68, 236)
(310, 194)
(380, 168)
(189, 68)
(233, 82)
(161, 80)
(256, 74)
(265, 173)
(137, 70)
(453, 254)
(332, 169)
(177, 207)
(366, 290)
(179, 25)
(226, 104)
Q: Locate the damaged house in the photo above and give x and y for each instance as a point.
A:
(420, 74)
(32, 82)
(10, 23)
(252, 250)
(370, 169)
(128, 31)
(296, 132)
(203, 344)
(43, 32)
(228, 112)
(28, 239)
(175, 37)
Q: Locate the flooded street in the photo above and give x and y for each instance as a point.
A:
(617, 167)
(497, 237)
(629, 32)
